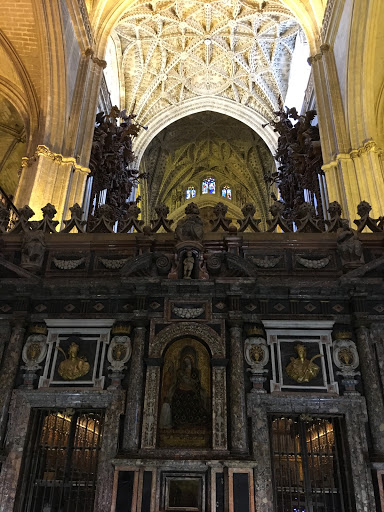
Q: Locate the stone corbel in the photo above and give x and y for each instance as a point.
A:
(89, 52)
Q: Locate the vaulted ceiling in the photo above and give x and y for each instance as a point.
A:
(201, 145)
(176, 50)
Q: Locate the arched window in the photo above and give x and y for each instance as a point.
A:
(191, 192)
(208, 186)
(226, 192)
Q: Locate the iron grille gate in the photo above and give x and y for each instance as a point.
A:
(60, 465)
(310, 465)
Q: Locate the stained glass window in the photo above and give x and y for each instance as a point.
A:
(191, 192)
(226, 192)
(208, 186)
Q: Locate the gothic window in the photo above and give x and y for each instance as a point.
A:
(310, 465)
(61, 460)
(209, 186)
(226, 192)
(191, 192)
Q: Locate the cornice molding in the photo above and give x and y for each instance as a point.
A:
(369, 146)
(44, 151)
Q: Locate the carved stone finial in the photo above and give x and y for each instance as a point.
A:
(278, 218)
(23, 223)
(248, 221)
(75, 222)
(47, 224)
(365, 220)
(335, 221)
(220, 210)
(131, 221)
(306, 219)
(162, 211)
(103, 220)
(190, 227)
(256, 354)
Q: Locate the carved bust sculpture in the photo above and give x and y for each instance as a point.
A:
(300, 368)
(73, 367)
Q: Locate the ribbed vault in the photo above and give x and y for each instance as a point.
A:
(176, 50)
(206, 144)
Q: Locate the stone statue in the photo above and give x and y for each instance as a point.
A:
(300, 368)
(32, 250)
(188, 263)
(191, 226)
(348, 244)
(73, 367)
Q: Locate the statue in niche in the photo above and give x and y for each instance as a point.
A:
(300, 368)
(188, 263)
(73, 367)
(184, 399)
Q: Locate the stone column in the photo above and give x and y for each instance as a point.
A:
(133, 411)
(262, 455)
(8, 372)
(372, 389)
(105, 470)
(239, 441)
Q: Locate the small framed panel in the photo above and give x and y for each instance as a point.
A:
(76, 354)
(184, 492)
(301, 355)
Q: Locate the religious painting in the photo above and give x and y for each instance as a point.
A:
(185, 411)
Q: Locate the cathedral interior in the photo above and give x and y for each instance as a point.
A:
(191, 256)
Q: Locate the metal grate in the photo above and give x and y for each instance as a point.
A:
(310, 465)
(60, 465)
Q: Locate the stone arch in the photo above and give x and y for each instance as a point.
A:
(184, 329)
(220, 105)
(17, 87)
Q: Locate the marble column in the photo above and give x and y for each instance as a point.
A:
(9, 371)
(133, 411)
(239, 438)
(262, 457)
(105, 470)
(372, 390)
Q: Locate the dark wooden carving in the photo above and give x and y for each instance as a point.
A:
(300, 159)
(112, 158)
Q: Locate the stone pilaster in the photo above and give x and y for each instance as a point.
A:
(9, 370)
(239, 438)
(219, 405)
(133, 411)
(152, 387)
(372, 389)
